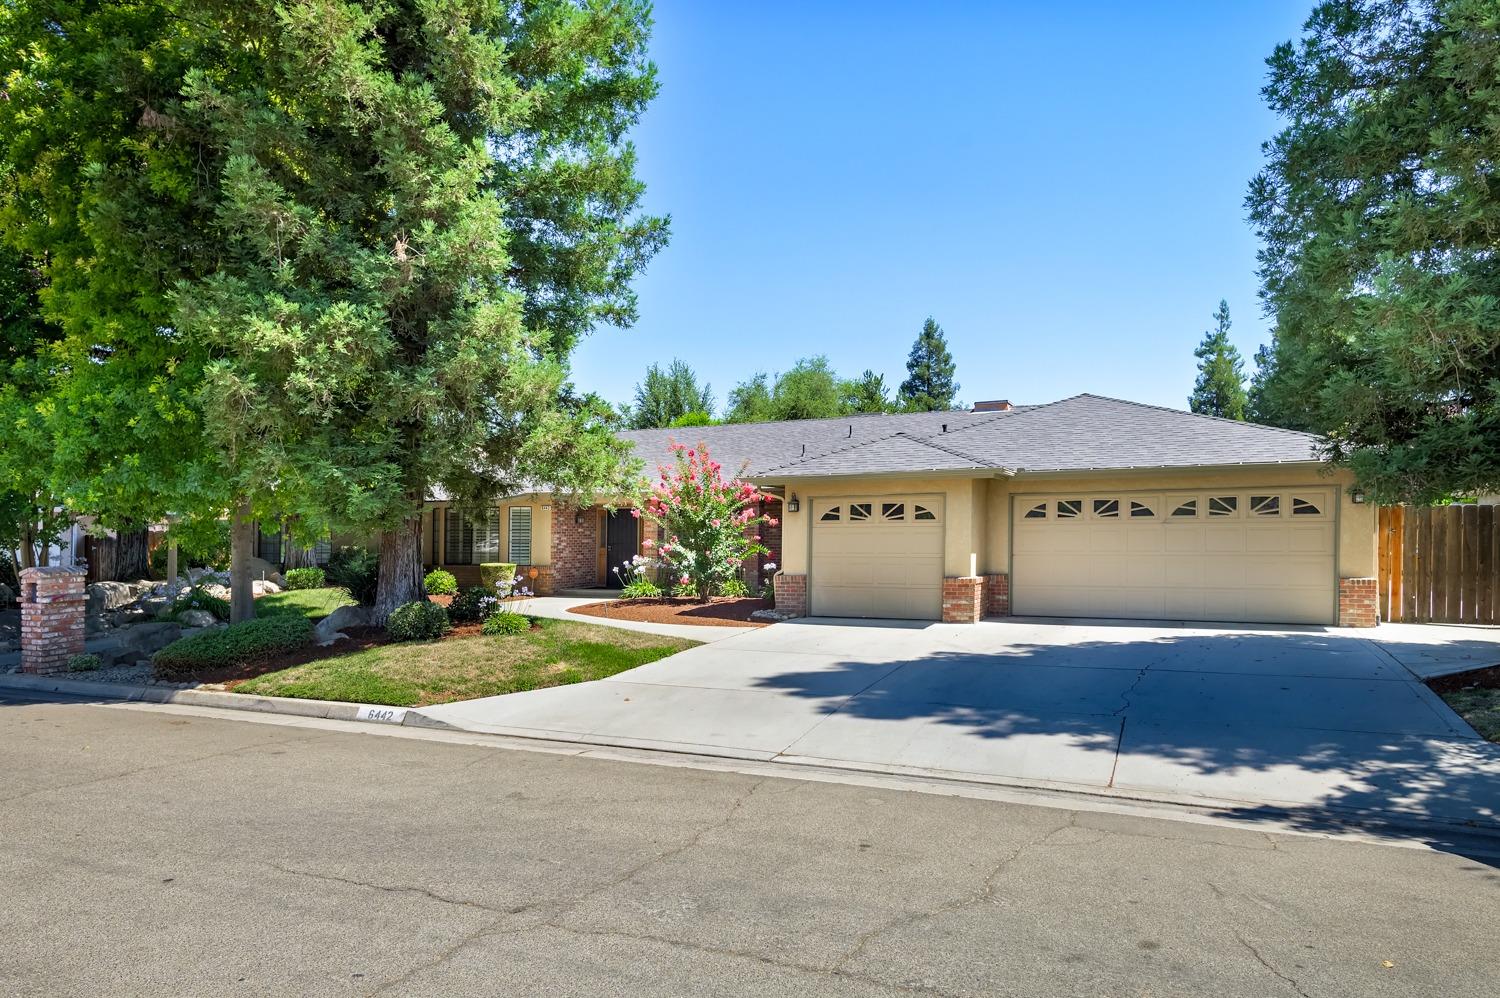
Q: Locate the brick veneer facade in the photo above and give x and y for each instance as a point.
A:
(791, 594)
(52, 606)
(997, 595)
(963, 599)
(575, 547)
(1359, 602)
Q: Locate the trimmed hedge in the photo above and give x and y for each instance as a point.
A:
(305, 578)
(418, 622)
(494, 572)
(440, 582)
(239, 644)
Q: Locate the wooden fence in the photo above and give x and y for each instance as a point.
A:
(1440, 564)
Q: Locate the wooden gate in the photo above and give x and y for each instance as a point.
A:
(1440, 564)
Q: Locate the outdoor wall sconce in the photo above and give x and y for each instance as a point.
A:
(792, 505)
(578, 516)
(1357, 496)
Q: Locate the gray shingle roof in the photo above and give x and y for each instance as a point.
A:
(1085, 432)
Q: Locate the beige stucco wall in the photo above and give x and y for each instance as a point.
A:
(978, 510)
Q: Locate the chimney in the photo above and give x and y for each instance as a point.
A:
(993, 405)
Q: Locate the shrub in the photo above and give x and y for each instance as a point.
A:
(494, 573)
(505, 622)
(84, 663)
(734, 587)
(248, 642)
(684, 590)
(357, 571)
(440, 583)
(305, 578)
(420, 621)
(640, 588)
(473, 605)
(199, 599)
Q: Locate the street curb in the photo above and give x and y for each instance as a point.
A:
(332, 710)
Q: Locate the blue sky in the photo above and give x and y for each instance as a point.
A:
(1060, 185)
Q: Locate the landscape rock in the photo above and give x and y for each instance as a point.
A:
(771, 616)
(328, 630)
(196, 618)
(110, 596)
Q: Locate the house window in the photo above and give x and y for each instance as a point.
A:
(1188, 507)
(1304, 507)
(859, 511)
(520, 535)
(1265, 505)
(831, 515)
(1068, 509)
(1140, 509)
(1223, 505)
(893, 511)
(1037, 512)
(1106, 508)
(922, 512)
(473, 536)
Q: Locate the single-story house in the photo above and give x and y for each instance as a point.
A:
(1089, 506)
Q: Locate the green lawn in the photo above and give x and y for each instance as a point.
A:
(314, 604)
(1480, 707)
(416, 674)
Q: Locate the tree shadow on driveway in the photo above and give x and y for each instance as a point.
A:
(1309, 730)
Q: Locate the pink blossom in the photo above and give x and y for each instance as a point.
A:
(648, 542)
(683, 580)
(635, 513)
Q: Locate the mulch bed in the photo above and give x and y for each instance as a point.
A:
(1487, 678)
(722, 611)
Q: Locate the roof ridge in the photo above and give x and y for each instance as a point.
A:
(877, 440)
(835, 450)
(1017, 412)
(1186, 412)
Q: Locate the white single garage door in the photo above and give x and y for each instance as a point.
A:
(877, 556)
(1242, 555)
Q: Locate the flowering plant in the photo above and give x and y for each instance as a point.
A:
(711, 524)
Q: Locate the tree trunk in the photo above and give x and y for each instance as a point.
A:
(241, 550)
(132, 555)
(401, 580)
(293, 555)
(27, 551)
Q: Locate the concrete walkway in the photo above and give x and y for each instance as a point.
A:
(1301, 719)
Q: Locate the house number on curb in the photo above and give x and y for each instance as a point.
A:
(385, 715)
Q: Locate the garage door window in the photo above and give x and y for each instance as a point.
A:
(1265, 505)
(1037, 512)
(1305, 507)
(1187, 507)
(1069, 509)
(1223, 505)
(832, 514)
(893, 511)
(1140, 510)
(1107, 508)
(922, 512)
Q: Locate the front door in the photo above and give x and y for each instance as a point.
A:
(619, 545)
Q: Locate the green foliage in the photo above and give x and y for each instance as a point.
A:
(473, 604)
(495, 575)
(640, 587)
(685, 590)
(810, 390)
(440, 583)
(751, 402)
(313, 604)
(356, 571)
(246, 643)
(664, 397)
(199, 598)
(201, 543)
(305, 578)
(1377, 210)
(866, 393)
(84, 663)
(696, 418)
(506, 622)
(929, 384)
(734, 587)
(420, 621)
(1220, 388)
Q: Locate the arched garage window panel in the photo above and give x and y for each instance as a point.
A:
(1185, 508)
(1107, 508)
(1305, 507)
(1223, 505)
(922, 512)
(1037, 512)
(859, 511)
(1069, 509)
(1140, 509)
(893, 511)
(831, 515)
(1265, 505)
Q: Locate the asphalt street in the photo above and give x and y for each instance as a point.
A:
(146, 851)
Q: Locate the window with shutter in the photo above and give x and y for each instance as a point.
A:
(520, 535)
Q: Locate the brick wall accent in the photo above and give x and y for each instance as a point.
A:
(791, 594)
(963, 600)
(1359, 602)
(52, 606)
(997, 595)
(575, 548)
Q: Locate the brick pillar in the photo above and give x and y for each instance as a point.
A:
(997, 595)
(1359, 602)
(963, 600)
(52, 605)
(791, 594)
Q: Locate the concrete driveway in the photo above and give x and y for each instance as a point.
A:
(1298, 719)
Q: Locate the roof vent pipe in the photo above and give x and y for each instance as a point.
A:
(945, 427)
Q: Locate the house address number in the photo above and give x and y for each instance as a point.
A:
(381, 715)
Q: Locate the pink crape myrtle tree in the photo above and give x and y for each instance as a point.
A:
(710, 524)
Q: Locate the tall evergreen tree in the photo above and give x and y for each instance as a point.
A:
(929, 384)
(1378, 212)
(664, 397)
(1220, 388)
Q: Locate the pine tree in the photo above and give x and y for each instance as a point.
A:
(664, 397)
(1220, 388)
(929, 384)
(865, 393)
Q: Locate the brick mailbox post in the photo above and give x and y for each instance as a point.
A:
(52, 605)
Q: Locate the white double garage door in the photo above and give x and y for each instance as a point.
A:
(1262, 555)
